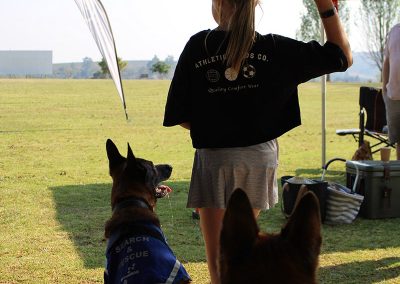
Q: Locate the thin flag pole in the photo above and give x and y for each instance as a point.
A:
(323, 108)
(97, 19)
(323, 97)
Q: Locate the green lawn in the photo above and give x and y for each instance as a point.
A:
(55, 188)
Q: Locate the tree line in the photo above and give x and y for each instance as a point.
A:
(157, 66)
(135, 69)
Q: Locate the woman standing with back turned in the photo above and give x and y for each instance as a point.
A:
(236, 90)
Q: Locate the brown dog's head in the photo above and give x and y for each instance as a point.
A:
(134, 177)
(248, 256)
(363, 152)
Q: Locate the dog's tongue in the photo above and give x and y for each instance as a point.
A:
(162, 190)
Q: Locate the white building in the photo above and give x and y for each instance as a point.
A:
(26, 63)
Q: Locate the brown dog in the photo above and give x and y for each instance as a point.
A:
(248, 256)
(137, 251)
(363, 152)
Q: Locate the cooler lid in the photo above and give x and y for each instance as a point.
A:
(373, 166)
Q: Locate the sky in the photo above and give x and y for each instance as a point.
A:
(142, 28)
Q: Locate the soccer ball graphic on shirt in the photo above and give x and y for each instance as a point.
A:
(249, 71)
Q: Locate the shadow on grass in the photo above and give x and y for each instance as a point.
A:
(377, 271)
(82, 211)
(331, 175)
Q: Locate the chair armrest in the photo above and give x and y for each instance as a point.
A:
(343, 132)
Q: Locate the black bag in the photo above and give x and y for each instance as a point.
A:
(291, 189)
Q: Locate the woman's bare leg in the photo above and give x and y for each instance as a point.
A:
(211, 224)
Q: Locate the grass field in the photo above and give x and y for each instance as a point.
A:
(55, 188)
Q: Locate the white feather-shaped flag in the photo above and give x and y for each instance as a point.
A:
(96, 18)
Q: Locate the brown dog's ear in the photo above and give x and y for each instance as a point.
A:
(130, 153)
(131, 158)
(239, 229)
(114, 157)
(304, 227)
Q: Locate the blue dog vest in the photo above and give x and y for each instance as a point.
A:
(142, 259)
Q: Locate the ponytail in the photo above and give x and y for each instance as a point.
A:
(242, 32)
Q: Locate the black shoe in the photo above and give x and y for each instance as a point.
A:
(195, 215)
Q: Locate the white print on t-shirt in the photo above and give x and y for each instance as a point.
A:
(213, 75)
(258, 56)
(234, 89)
(249, 71)
(217, 58)
(209, 60)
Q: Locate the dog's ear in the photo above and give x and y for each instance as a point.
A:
(132, 164)
(114, 157)
(304, 227)
(131, 158)
(239, 228)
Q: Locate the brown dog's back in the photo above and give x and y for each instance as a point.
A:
(248, 256)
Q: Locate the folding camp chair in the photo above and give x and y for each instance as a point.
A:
(372, 105)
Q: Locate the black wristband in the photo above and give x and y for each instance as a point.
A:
(328, 13)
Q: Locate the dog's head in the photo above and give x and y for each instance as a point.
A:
(248, 256)
(363, 152)
(134, 177)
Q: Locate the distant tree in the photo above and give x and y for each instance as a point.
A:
(161, 68)
(169, 60)
(377, 18)
(105, 73)
(87, 68)
(310, 27)
(98, 75)
(152, 62)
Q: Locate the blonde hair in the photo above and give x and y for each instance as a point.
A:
(242, 32)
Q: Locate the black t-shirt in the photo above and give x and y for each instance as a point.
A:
(258, 104)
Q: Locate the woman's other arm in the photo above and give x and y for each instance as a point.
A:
(334, 29)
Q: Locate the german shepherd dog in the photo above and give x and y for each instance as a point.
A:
(137, 251)
(248, 256)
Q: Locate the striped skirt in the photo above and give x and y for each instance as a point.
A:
(217, 172)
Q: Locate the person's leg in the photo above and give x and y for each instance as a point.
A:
(211, 225)
(393, 122)
(256, 212)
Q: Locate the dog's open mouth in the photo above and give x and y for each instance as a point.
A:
(162, 190)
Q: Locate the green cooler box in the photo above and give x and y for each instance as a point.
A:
(379, 183)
